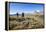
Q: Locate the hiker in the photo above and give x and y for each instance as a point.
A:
(22, 14)
(17, 14)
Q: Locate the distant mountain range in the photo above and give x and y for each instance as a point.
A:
(24, 14)
(13, 14)
(35, 12)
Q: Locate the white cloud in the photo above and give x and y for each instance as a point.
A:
(11, 12)
(38, 10)
(20, 11)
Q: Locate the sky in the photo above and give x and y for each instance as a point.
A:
(26, 8)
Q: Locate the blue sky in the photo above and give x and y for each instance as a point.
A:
(26, 8)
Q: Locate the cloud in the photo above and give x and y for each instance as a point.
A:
(32, 12)
(20, 11)
(11, 12)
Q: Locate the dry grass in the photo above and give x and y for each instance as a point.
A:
(27, 22)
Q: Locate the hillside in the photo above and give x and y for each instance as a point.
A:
(27, 22)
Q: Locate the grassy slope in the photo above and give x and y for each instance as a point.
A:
(32, 22)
